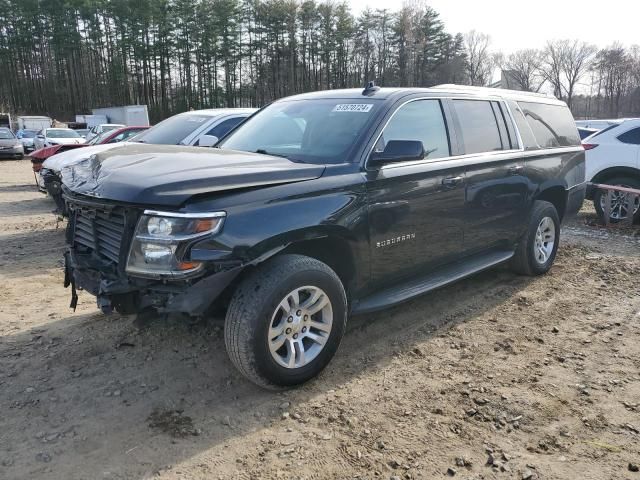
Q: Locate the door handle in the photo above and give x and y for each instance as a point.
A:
(452, 181)
(515, 169)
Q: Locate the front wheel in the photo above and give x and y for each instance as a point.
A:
(538, 246)
(285, 321)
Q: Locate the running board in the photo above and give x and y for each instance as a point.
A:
(436, 279)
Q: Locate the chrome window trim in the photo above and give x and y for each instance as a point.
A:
(158, 213)
(448, 127)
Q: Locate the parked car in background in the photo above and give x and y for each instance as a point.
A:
(586, 132)
(57, 136)
(118, 135)
(10, 146)
(613, 158)
(320, 206)
(83, 132)
(198, 128)
(100, 129)
(27, 138)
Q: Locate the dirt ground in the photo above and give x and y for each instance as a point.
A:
(498, 376)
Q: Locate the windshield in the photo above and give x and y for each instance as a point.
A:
(312, 131)
(6, 134)
(62, 133)
(28, 133)
(173, 130)
(108, 128)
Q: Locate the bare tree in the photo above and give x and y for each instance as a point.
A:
(480, 61)
(523, 66)
(564, 63)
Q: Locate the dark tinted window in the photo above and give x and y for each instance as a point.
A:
(526, 134)
(225, 127)
(552, 125)
(480, 131)
(174, 129)
(421, 120)
(632, 136)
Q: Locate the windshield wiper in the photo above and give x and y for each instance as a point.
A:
(262, 151)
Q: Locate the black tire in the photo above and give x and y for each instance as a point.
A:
(524, 260)
(620, 181)
(255, 301)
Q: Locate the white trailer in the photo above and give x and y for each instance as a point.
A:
(92, 120)
(130, 115)
(32, 122)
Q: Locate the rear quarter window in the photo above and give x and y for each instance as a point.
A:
(552, 125)
(632, 137)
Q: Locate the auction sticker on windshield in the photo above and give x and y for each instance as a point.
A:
(353, 107)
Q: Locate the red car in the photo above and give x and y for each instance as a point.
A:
(112, 136)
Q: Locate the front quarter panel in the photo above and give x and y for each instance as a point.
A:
(268, 219)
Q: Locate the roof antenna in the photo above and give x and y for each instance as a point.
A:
(370, 88)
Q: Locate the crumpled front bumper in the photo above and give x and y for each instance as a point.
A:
(128, 295)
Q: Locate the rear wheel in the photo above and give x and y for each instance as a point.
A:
(619, 208)
(538, 247)
(285, 321)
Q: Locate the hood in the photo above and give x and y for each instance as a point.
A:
(169, 175)
(69, 157)
(9, 142)
(27, 141)
(66, 141)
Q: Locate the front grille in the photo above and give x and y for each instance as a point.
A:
(100, 231)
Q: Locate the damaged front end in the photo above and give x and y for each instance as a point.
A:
(133, 260)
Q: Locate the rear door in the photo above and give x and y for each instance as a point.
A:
(496, 191)
(415, 208)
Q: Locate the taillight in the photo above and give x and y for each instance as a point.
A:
(589, 146)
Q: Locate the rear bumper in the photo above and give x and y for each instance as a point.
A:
(114, 290)
(575, 198)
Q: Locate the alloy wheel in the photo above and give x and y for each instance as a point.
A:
(300, 327)
(545, 240)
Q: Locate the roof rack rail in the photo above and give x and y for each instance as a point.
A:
(489, 91)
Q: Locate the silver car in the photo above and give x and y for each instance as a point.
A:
(10, 146)
(48, 137)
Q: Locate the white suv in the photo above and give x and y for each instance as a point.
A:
(613, 158)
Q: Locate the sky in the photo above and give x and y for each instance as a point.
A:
(517, 24)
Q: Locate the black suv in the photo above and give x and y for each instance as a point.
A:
(321, 206)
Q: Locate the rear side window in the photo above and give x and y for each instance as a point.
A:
(552, 125)
(480, 132)
(420, 120)
(632, 137)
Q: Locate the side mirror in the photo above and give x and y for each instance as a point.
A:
(398, 151)
(40, 136)
(208, 140)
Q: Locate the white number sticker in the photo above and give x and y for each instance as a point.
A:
(353, 107)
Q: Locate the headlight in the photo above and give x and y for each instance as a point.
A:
(162, 238)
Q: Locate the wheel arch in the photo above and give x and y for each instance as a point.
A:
(611, 172)
(556, 195)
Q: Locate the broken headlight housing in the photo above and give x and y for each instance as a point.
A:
(161, 240)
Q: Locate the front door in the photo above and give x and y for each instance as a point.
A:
(416, 208)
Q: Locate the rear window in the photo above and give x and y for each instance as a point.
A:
(480, 132)
(552, 125)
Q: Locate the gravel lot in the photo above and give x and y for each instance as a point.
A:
(498, 376)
